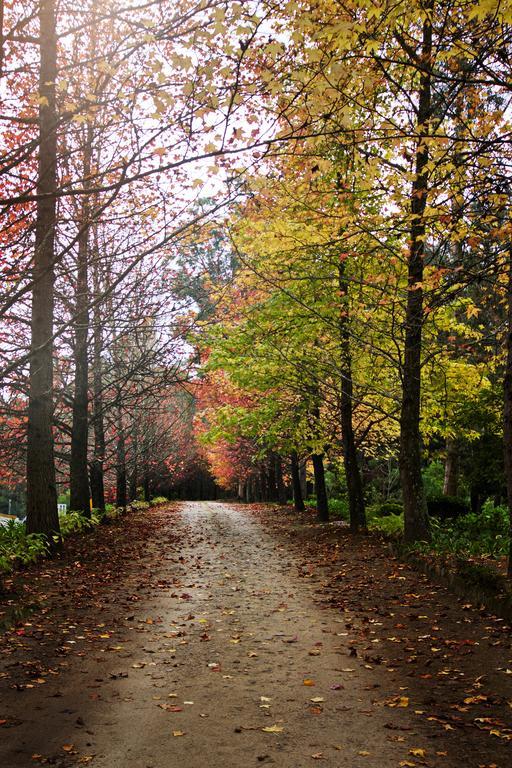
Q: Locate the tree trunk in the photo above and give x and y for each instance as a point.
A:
(121, 496)
(42, 516)
(507, 411)
(298, 500)
(79, 476)
(272, 492)
(147, 486)
(322, 506)
(352, 471)
(96, 468)
(281, 488)
(416, 525)
(303, 478)
(451, 468)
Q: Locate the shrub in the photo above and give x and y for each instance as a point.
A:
(476, 534)
(139, 505)
(386, 509)
(338, 509)
(19, 548)
(446, 507)
(73, 522)
(159, 500)
(433, 479)
(391, 525)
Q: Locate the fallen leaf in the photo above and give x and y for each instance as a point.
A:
(178, 733)
(273, 729)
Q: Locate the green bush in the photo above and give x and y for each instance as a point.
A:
(433, 479)
(338, 509)
(386, 509)
(19, 548)
(483, 533)
(159, 500)
(391, 525)
(446, 507)
(74, 522)
(139, 505)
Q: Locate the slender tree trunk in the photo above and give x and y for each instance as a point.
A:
(298, 499)
(416, 525)
(134, 475)
(451, 468)
(272, 491)
(147, 485)
(352, 470)
(281, 488)
(79, 475)
(507, 410)
(322, 506)
(42, 516)
(303, 478)
(96, 468)
(132, 489)
(121, 495)
(1, 38)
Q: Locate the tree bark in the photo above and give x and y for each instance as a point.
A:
(96, 468)
(298, 500)
(322, 505)
(42, 516)
(146, 483)
(507, 411)
(272, 492)
(451, 468)
(121, 495)
(303, 478)
(281, 488)
(79, 475)
(352, 471)
(416, 525)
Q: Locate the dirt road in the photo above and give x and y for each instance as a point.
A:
(199, 645)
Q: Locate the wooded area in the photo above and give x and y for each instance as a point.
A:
(264, 242)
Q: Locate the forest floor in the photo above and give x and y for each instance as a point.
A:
(222, 635)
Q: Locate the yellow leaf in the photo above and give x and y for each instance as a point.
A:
(273, 729)
(178, 733)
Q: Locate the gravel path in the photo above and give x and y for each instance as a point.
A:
(207, 651)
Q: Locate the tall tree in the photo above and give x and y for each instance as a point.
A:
(415, 507)
(42, 514)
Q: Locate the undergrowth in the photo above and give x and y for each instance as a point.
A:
(19, 548)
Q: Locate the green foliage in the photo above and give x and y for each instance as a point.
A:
(485, 533)
(386, 509)
(433, 479)
(391, 525)
(139, 505)
(74, 522)
(19, 548)
(338, 509)
(159, 500)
